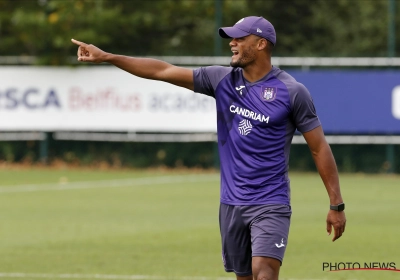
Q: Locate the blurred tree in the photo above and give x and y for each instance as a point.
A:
(327, 28)
(353, 28)
(43, 28)
(163, 27)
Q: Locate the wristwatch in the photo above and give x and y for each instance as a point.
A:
(339, 207)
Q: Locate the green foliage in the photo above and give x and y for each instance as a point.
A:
(43, 28)
(112, 154)
(349, 158)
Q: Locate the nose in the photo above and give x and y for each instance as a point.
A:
(232, 42)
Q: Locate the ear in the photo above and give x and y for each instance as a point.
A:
(262, 44)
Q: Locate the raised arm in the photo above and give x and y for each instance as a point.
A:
(142, 67)
(327, 169)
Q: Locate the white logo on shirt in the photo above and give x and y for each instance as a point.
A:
(248, 114)
(240, 88)
(245, 127)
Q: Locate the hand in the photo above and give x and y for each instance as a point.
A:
(89, 53)
(337, 220)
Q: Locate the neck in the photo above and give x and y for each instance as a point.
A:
(257, 70)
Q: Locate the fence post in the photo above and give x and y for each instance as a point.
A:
(44, 148)
(391, 53)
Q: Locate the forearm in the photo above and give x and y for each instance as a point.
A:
(142, 67)
(153, 69)
(327, 169)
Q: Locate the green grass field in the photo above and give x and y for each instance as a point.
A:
(70, 224)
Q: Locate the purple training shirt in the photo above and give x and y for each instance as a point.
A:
(256, 123)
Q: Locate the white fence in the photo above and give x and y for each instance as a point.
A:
(182, 137)
(224, 60)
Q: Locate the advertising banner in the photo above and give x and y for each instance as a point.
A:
(98, 99)
(355, 102)
(105, 98)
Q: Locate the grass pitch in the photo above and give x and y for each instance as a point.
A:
(70, 224)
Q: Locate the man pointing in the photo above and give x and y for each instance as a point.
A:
(259, 107)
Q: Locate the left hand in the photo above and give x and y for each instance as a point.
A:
(337, 220)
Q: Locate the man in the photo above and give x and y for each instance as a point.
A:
(259, 107)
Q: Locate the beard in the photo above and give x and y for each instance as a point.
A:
(247, 57)
(238, 63)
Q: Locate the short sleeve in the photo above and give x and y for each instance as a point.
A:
(206, 79)
(303, 110)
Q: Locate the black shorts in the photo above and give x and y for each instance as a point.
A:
(252, 231)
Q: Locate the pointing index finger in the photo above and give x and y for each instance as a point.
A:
(79, 43)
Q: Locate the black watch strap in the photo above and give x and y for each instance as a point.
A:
(339, 207)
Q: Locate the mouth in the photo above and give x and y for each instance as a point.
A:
(235, 53)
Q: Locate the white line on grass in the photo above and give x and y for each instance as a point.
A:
(104, 276)
(115, 277)
(111, 183)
